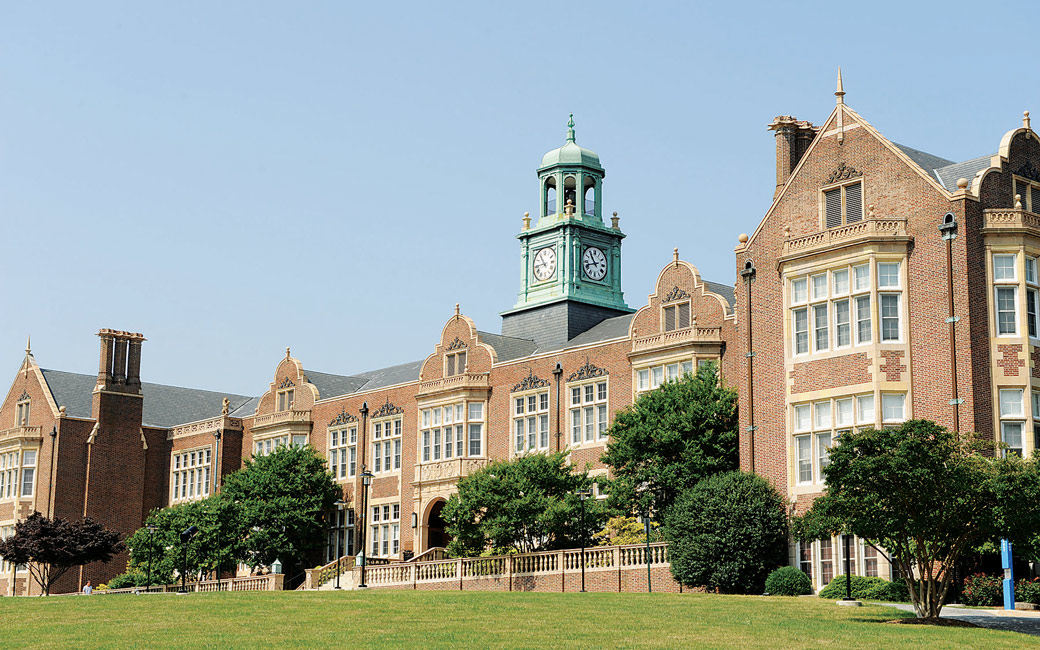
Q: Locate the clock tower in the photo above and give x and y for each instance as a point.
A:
(570, 260)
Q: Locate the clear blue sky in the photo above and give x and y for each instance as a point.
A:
(231, 178)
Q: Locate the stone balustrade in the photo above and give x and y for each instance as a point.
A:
(22, 434)
(463, 381)
(849, 234)
(269, 582)
(678, 337)
(1011, 221)
(607, 568)
(282, 417)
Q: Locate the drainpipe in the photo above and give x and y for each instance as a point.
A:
(748, 273)
(558, 375)
(948, 228)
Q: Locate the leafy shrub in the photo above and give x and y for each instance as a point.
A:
(981, 589)
(129, 579)
(728, 533)
(788, 581)
(1028, 591)
(620, 531)
(867, 588)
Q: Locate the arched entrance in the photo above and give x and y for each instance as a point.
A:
(435, 534)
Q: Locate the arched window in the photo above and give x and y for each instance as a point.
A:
(550, 197)
(590, 197)
(570, 194)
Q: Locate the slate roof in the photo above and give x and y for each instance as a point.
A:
(332, 385)
(164, 406)
(508, 347)
(606, 330)
(946, 171)
(725, 290)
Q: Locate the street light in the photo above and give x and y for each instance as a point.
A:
(339, 536)
(151, 542)
(646, 525)
(216, 480)
(582, 495)
(186, 536)
(366, 480)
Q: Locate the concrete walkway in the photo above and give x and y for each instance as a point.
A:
(1026, 622)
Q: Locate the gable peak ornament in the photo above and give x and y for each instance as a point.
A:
(286, 383)
(342, 418)
(457, 344)
(675, 294)
(386, 410)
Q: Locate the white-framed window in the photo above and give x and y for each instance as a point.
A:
(21, 413)
(454, 363)
(1032, 298)
(817, 425)
(28, 472)
(386, 530)
(386, 445)
(843, 205)
(285, 399)
(343, 451)
(676, 316)
(650, 378)
(1036, 421)
(1005, 293)
(893, 408)
(266, 446)
(450, 431)
(530, 421)
(190, 474)
(9, 466)
(835, 313)
(588, 411)
(1012, 420)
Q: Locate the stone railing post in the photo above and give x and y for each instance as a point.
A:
(458, 564)
(276, 584)
(509, 571)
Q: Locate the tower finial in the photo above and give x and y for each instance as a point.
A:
(840, 92)
(570, 129)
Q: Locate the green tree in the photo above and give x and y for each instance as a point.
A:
(50, 547)
(926, 495)
(670, 439)
(281, 500)
(620, 531)
(526, 504)
(728, 533)
(220, 538)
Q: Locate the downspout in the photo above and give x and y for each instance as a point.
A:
(748, 273)
(948, 228)
(558, 374)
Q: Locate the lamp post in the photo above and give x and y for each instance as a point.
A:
(366, 480)
(339, 536)
(216, 479)
(646, 527)
(848, 570)
(186, 536)
(582, 495)
(151, 543)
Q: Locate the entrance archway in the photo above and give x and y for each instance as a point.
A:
(435, 534)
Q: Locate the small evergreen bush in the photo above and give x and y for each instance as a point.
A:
(728, 533)
(982, 590)
(867, 588)
(788, 581)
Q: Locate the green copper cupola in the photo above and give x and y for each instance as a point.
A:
(570, 277)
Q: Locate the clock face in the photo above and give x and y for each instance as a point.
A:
(545, 263)
(595, 263)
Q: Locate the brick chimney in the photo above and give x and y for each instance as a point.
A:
(120, 364)
(793, 138)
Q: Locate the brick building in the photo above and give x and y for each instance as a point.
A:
(571, 353)
(884, 284)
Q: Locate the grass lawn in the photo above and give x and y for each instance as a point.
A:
(467, 620)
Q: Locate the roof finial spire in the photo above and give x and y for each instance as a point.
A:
(675, 255)
(570, 129)
(287, 352)
(28, 345)
(840, 92)
(456, 310)
(1025, 119)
